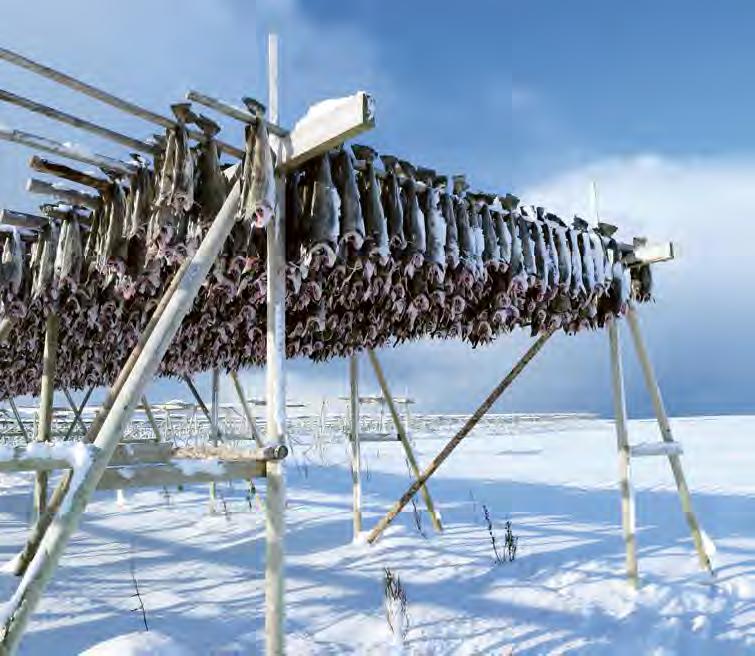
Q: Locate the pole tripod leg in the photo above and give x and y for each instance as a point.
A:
(622, 439)
(665, 427)
(355, 451)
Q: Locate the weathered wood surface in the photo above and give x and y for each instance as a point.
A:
(75, 121)
(70, 196)
(68, 173)
(180, 472)
(622, 442)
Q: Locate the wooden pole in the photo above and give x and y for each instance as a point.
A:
(276, 387)
(19, 421)
(151, 418)
(47, 391)
(43, 522)
(75, 121)
(76, 410)
(234, 112)
(622, 441)
(665, 428)
(245, 407)
(403, 437)
(70, 196)
(56, 538)
(69, 152)
(42, 165)
(195, 393)
(214, 427)
(77, 413)
(456, 440)
(105, 97)
(356, 464)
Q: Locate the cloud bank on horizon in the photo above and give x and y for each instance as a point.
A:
(462, 100)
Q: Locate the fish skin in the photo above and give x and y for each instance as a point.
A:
(596, 247)
(466, 242)
(113, 243)
(563, 254)
(70, 254)
(323, 223)
(414, 219)
(491, 250)
(588, 264)
(261, 201)
(542, 261)
(478, 237)
(376, 226)
(554, 274)
(435, 228)
(212, 187)
(504, 238)
(352, 228)
(452, 230)
(528, 248)
(394, 210)
(577, 278)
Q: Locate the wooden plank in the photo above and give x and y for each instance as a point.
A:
(652, 253)
(622, 441)
(68, 173)
(342, 119)
(70, 196)
(180, 472)
(379, 437)
(655, 449)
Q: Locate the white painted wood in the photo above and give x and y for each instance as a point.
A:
(656, 449)
(622, 442)
(275, 582)
(652, 253)
(348, 118)
(356, 460)
(665, 427)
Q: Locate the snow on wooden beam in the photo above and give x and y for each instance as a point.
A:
(180, 472)
(22, 220)
(73, 152)
(327, 125)
(656, 449)
(652, 253)
(64, 194)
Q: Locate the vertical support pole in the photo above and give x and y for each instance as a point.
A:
(276, 387)
(665, 427)
(356, 464)
(402, 436)
(214, 427)
(47, 390)
(622, 439)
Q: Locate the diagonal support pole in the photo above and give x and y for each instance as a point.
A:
(44, 521)
(402, 436)
(456, 440)
(76, 412)
(151, 418)
(665, 427)
(18, 419)
(245, 407)
(622, 439)
(56, 538)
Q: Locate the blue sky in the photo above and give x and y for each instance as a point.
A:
(652, 101)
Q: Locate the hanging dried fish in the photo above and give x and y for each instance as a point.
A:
(394, 208)
(258, 177)
(12, 271)
(375, 222)
(352, 222)
(414, 219)
(70, 253)
(577, 278)
(141, 192)
(212, 187)
(44, 266)
(323, 218)
(114, 244)
(452, 229)
(435, 227)
(491, 253)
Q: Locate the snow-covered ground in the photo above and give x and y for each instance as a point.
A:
(201, 575)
